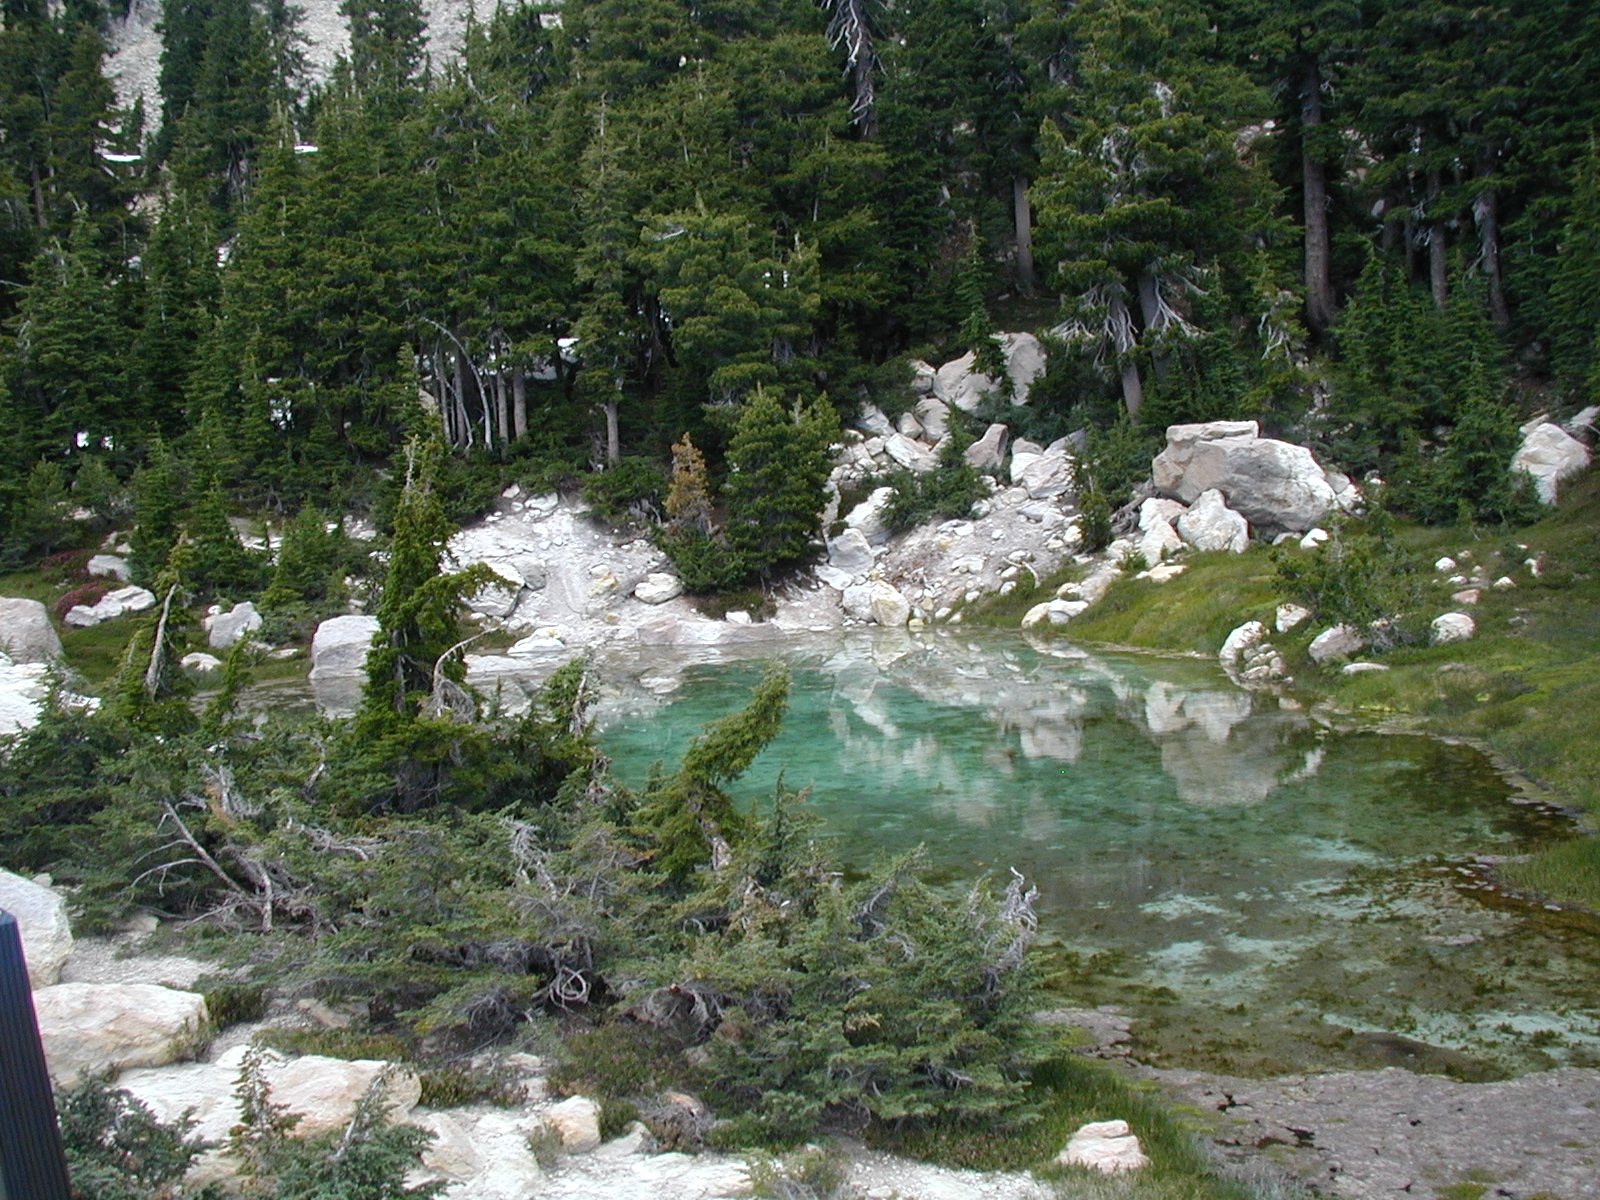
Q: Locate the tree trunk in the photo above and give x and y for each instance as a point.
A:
(442, 397)
(1409, 242)
(613, 436)
(1486, 211)
(1132, 387)
(519, 403)
(1319, 285)
(464, 421)
(1024, 222)
(40, 216)
(502, 406)
(1438, 247)
(1150, 310)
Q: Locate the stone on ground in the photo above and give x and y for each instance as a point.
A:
(1336, 644)
(1211, 525)
(26, 634)
(1452, 627)
(109, 566)
(225, 630)
(576, 1121)
(89, 1028)
(1274, 485)
(1109, 1147)
(1550, 455)
(657, 588)
(42, 921)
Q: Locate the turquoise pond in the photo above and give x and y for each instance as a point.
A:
(1261, 891)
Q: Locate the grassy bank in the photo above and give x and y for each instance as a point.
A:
(1527, 687)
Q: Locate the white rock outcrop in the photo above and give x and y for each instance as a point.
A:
(1452, 627)
(24, 691)
(114, 604)
(323, 1092)
(1274, 485)
(657, 588)
(1550, 455)
(1336, 644)
(89, 1028)
(868, 516)
(1109, 1147)
(224, 630)
(576, 1121)
(1290, 616)
(109, 566)
(341, 644)
(911, 455)
(989, 451)
(42, 921)
(1210, 524)
(851, 553)
(26, 634)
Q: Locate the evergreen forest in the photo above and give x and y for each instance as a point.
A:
(661, 252)
(606, 226)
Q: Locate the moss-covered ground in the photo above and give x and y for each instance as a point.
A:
(1526, 688)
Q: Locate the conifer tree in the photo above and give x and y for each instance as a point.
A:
(158, 508)
(1143, 199)
(778, 463)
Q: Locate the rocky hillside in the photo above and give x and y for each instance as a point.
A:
(135, 62)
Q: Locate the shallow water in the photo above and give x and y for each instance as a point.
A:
(1263, 892)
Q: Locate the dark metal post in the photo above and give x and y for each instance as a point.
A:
(32, 1163)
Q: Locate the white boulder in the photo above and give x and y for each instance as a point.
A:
(89, 1028)
(340, 646)
(1550, 455)
(913, 456)
(1158, 542)
(1452, 627)
(42, 922)
(1159, 508)
(224, 630)
(24, 691)
(1245, 637)
(1025, 362)
(872, 421)
(989, 451)
(1314, 538)
(1332, 645)
(1211, 525)
(933, 415)
(879, 603)
(200, 662)
(1109, 1147)
(868, 516)
(576, 1121)
(1050, 474)
(851, 552)
(323, 1092)
(657, 588)
(115, 604)
(26, 634)
(1290, 616)
(109, 566)
(1272, 484)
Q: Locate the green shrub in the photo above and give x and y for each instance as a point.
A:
(116, 1149)
(232, 1003)
(704, 561)
(456, 1087)
(1361, 576)
(632, 488)
(949, 490)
